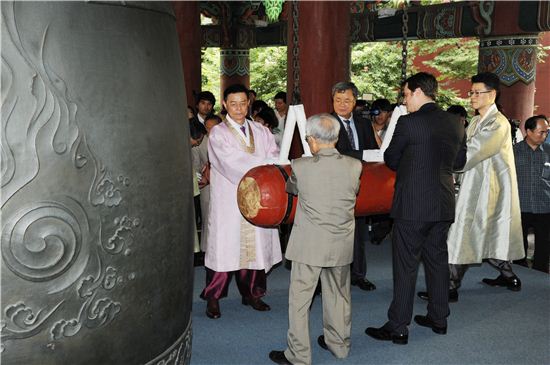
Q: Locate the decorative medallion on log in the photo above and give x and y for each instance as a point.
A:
(512, 59)
(357, 7)
(362, 27)
(483, 15)
(439, 22)
(246, 37)
(234, 62)
(210, 36)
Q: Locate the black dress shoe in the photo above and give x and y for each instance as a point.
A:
(376, 241)
(321, 342)
(424, 321)
(213, 309)
(383, 334)
(453, 295)
(279, 357)
(423, 295)
(363, 284)
(522, 262)
(256, 304)
(513, 283)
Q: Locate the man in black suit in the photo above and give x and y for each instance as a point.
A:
(356, 134)
(427, 144)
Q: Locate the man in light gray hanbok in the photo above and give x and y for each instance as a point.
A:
(488, 218)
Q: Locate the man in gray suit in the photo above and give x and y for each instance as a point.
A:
(423, 151)
(321, 242)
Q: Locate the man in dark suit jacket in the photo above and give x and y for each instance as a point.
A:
(356, 134)
(424, 151)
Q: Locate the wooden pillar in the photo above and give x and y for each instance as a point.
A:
(513, 59)
(324, 51)
(234, 68)
(542, 83)
(324, 55)
(188, 26)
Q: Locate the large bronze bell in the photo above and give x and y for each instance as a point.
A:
(97, 213)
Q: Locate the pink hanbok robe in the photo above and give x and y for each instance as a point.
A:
(229, 161)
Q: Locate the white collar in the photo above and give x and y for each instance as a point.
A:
(492, 109)
(235, 124)
(237, 127)
(350, 118)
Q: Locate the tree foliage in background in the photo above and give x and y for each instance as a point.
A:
(268, 72)
(375, 68)
(456, 58)
(210, 73)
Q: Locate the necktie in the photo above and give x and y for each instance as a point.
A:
(350, 134)
(243, 129)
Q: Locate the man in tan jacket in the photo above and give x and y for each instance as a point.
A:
(321, 242)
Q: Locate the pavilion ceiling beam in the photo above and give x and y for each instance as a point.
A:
(449, 20)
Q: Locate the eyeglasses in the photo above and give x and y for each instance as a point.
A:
(476, 93)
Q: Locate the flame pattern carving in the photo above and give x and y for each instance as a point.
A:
(54, 243)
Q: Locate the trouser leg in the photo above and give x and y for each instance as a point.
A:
(406, 242)
(504, 267)
(456, 274)
(436, 258)
(303, 280)
(526, 223)
(252, 284)
(217, 284)
(359, 264)
(381, 227)
(335, 282)
(542, 242)
(204, 201)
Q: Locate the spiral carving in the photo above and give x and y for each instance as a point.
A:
(42, 240)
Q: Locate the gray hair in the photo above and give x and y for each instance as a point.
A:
(342, 86)
(323, 127)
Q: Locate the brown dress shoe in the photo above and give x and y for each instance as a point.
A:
(213, 309)
(257, 304)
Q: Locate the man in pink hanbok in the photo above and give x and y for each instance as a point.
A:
(236, 247)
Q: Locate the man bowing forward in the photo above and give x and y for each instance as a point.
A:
(321, 242)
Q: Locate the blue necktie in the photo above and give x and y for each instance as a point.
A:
(243, 129)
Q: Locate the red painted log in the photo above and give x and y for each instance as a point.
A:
(263, 200)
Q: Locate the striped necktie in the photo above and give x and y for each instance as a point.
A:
(350, 133)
